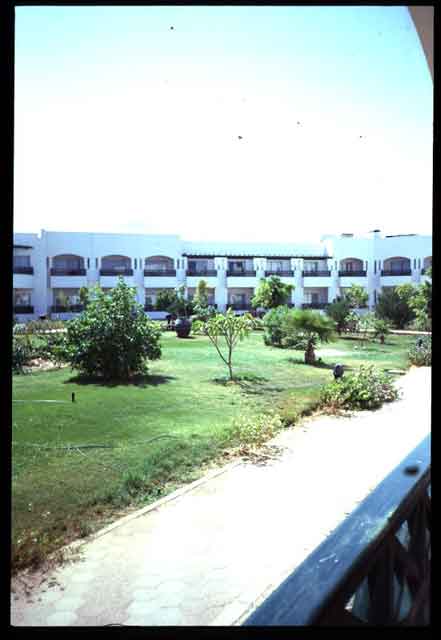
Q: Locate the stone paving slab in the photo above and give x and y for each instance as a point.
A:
(206, 557)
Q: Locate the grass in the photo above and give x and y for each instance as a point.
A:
(63, 494)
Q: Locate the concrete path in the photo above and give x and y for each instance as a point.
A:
(209, 556)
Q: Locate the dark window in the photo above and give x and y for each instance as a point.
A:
(96, 263)
(136, 263)
(88, 263)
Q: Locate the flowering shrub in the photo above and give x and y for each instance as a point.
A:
(420, 354)
(368, 388)
(255, 430)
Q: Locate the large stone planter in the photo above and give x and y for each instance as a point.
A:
(183, 327)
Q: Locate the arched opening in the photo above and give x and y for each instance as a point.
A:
(397, 266)
(427, 264)
(351, 267)
(68, 265)
(159, 266)
(116, 265)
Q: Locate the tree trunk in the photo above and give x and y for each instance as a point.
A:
(310, 354)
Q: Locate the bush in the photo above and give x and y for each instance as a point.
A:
(273, 326)
(255, 430)
(393, 305)
(420, 353)
(113, 338)
(21, 353)
(52, 347)
(368, 388)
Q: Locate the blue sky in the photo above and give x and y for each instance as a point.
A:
(123, 124)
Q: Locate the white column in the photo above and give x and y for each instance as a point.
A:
(297, 295)
(221, 292)
(259, 267)
(181, 271)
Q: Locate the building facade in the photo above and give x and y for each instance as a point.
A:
(49, 269)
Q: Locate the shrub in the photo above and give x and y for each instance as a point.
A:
(339, 311)
(52, 347)
(255, 430)
(393, 304)
(420, 353)
(21, 353)
(312, 326)
(113, 337)
(368, 388)
(273, 326)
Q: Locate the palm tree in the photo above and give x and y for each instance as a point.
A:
(314, 326)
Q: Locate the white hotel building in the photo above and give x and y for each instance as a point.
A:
(50, 268)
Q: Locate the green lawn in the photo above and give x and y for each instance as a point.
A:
(60, 495)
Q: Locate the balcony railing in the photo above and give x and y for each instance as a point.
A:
(116, 272)
(315, 305)
(359, 273)
(26, 270)
(246, 274)
(281, 274)
(23, 308)
(240, 306)
(402, 272)
(73, 308)
(374, 569)
(206, 272)
(59, 271)
(159, 272)
(309, 274)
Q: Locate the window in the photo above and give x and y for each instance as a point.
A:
(22, 261)
(22, 297)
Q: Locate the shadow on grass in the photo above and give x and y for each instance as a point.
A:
(319, 364)
(250, 384)
(136, 381)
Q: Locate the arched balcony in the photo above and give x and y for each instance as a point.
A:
(67, 265)
(427, 264)
(116, 266)
(397, 266)
(159, 266)
(351, 267)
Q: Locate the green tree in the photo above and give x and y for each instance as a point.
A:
(356, 296)
(84, 296)
(181, 306)
(224, 332)
(165, 299)
(201, 295)
(339, 311)
(312, 325)
(420, 301)
(113, 338)
(273, 326)
(395, 306)
(272, 293)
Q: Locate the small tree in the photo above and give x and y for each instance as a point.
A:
(339, 311)
(181, 306)
(356, 296)
(226, 329)
(201, 295)
(313, 326)
(113, 337)
(395, 306)
(381, 329)
(165, 299)
(84, 296)
(272, 293)
(420, 301)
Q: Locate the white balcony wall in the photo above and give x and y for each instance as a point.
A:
(68, 282)
(112, 281)
(23, 281)
(193, 281)
(160, 282)
(316, 281)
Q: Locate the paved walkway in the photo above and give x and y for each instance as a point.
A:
(210, 555)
